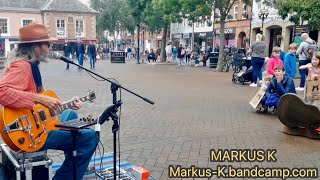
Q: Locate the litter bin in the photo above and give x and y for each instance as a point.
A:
(213, 59)
(118, 57)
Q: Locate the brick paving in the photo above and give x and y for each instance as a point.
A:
(196, 109)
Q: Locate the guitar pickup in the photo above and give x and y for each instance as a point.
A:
(42, 115)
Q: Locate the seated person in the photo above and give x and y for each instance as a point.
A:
(152, 56)
(280, 84)
(195, 57)
(238, 58)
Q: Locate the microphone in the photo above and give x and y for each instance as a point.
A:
(56, 55)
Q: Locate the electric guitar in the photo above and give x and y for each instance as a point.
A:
(27, 130)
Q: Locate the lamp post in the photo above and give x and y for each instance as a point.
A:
(138, 49)
(263, 14)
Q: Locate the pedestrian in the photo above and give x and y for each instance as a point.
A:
(181, 54)
(275, 61)
(67, 49)
(169, 52)
(80, 51)
(304, 59)
(92, 54)
(257, 50)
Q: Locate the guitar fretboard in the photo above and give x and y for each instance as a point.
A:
(66, 106)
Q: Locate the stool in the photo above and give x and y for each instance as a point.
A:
(29, 166)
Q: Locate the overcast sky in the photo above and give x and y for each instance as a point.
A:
(85, 2)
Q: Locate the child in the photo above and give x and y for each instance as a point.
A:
(267, 81)
(275, 61)
(290, 63)
(313, 71)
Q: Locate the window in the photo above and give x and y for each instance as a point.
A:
(202, 23)
(244, 11)
(197, 24)
(79, 28)
(4, 26)
(235, 12)
(26, 21)
(61, 28)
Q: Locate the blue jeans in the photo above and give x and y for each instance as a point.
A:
(303, 72)
(62, 140)
(92, 58)
(257, 64)
(181, 60)
(80, 59)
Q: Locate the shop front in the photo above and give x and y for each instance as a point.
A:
(203, 39)
(230, 34)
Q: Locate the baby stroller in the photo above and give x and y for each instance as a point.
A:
(241, 76)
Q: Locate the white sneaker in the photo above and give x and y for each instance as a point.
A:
(261, 81)
(299, 89)
(253, 85)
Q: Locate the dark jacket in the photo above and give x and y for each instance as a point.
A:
(91, 49)
(80, 48)
(179, 52)
(286, 86)
(67, 49)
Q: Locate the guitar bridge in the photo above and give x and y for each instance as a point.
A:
(14, 126)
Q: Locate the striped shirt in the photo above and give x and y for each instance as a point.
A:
(17, 86)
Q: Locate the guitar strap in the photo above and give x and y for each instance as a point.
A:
(37, 76)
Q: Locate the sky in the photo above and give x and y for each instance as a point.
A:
(85, 2)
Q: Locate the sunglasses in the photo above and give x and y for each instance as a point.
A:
(47, 43)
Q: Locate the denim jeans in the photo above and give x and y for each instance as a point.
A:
(303, 72)
(62, 140)
(257, 64)
(181, 60)
(92, 58)
(80, 59)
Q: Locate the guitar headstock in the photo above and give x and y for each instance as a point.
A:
(91, 96)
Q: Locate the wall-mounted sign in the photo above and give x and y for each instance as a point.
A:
(177, 36)
(186, 35)
(226, 31)
(298, 31)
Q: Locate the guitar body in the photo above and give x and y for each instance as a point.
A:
(27, 130)
(294, 112)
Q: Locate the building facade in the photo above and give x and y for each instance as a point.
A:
(276, 31)
(237, 27)
(64, 19)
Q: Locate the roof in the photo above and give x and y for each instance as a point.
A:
(46, 5)
(67, 6)
(22, 5)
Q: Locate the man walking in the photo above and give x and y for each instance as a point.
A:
(67, 49)
(80, 50)
(304, 59)
(92, 54)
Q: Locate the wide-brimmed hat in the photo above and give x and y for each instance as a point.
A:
(33, 33)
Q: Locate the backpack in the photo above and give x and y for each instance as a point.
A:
(311, 49)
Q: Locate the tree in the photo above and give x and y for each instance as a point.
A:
(300, 11)
(158, 15)
(223, 7)
(195, 11)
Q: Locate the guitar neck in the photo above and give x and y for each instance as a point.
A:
(71, 104)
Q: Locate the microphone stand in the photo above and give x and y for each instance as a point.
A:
(113, 113)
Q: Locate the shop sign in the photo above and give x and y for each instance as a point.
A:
(202, 34)
(177, 36)
(186, 35)
(226, 31)
(298, 31)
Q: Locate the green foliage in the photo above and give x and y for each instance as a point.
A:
(196, 11)
(299, 11)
